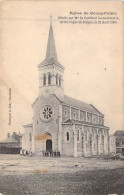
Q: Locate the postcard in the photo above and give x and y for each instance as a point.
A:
(61, 92)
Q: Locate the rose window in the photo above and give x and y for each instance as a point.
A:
(46, 113)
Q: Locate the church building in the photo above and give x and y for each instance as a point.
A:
(61, 123)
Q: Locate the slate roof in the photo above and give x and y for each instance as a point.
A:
(50, 61)
(72, 121)
(75, 103)
(119, 133)
(79, 104)
(10, 139)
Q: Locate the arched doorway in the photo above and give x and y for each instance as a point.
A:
(48, 145)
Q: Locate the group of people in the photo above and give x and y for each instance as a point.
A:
(44, 153)
(51, 153)
(25, 153)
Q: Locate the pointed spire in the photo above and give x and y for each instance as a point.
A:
(51, 55)
(51, 48)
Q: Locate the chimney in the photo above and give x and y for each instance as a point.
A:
(8, 134)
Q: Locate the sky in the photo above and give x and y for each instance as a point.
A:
(91, 54)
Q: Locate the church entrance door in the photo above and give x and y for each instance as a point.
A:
(49, 145)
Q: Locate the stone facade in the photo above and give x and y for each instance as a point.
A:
(119, 135)
(61, 123)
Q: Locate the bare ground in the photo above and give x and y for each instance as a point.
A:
(64, 176)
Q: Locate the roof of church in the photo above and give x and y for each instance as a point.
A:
(76, 104)
(79, 104)
(51, 54)
(73, 121)
(119, 133)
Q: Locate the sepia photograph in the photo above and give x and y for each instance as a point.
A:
(61, 98)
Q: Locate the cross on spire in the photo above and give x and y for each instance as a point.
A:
(51, 17)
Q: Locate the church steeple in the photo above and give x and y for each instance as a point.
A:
(51, 48)
(51, 54)
(50, 70)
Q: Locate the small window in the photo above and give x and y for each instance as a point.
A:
(56, 79)
(30, 137)
(44, 80)
(37, 122)
(86, 136)
(49, 79)
(56, 121)
(67, 136)
(65, 112)
(122, 142)
(74, 115)
(77, 135)
(100, 120)
(60, 81)
(82, 116)
(89, 117)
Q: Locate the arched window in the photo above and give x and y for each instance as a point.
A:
(67, 136)
(60, 81)
(65, 112)
(44, 79)
(49, 79)
(56, 79)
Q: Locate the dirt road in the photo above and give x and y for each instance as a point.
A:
(60, 176)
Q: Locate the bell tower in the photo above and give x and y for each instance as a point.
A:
(51, 72)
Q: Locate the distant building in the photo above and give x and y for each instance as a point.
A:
(112, 144)
(12, 144)
(119, 134)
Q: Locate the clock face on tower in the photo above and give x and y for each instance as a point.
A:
(46, 113)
